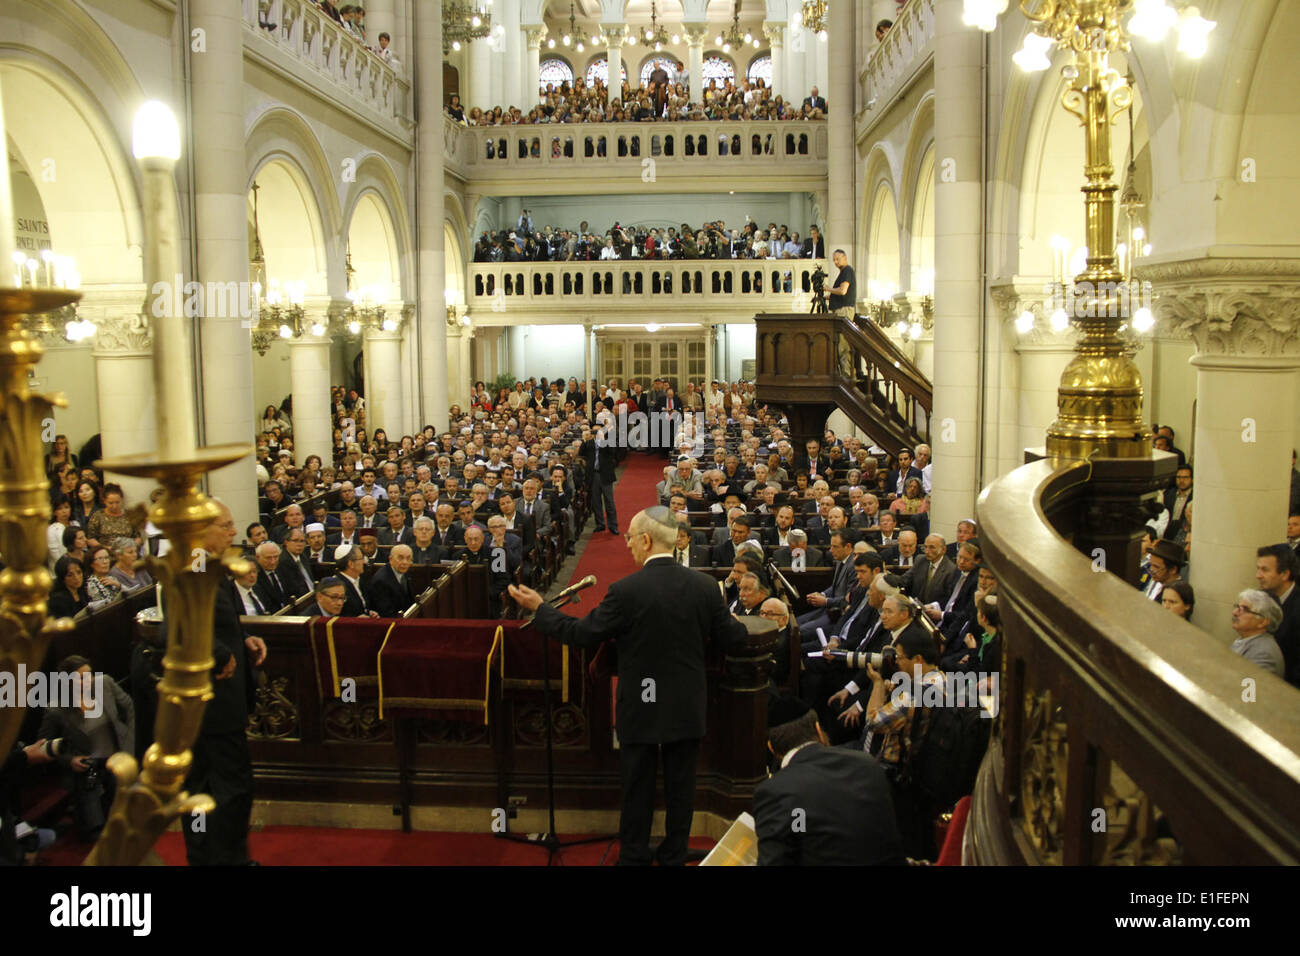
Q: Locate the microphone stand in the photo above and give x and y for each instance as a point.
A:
(549, 840)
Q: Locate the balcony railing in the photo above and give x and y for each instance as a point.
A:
(754, 285)
(905, 49)
(322, 53)
(645, 152)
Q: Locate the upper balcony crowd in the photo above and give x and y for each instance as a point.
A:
(581, 102)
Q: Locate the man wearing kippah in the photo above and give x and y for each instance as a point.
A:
(662, 617)
(826, 805)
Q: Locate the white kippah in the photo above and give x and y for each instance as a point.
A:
(341, 551)
(314, 526)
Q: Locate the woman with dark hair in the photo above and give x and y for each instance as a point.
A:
(59, 522)
(381, 442)
(111, 522)
(74, 542)
(86, 503)
(68, 595)
(101, 587)
(1179, 598)
(59, 456)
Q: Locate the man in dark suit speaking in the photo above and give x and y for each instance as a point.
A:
(663, 616)
(599, 452)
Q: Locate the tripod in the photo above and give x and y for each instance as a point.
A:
(550, 840)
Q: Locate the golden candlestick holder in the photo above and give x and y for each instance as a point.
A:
(25, 633)
(148, 799)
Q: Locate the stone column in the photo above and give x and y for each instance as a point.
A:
(695, 33)
(514, 53)
(774, 32)
(588, 365)
(384, 385)
(536, 34)
(957, 287)
(431, 329)
(123, 353)
(710, 343)
(381, 17)
(480, 76)
(1244, 317)
(615, 34)
(309, 377)
(460, 388)
(912, 305)
(221, 219)
(840, 228)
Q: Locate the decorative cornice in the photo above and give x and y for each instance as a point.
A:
(1231, 306)
(535, 33)
(695, 32)
(774, 32)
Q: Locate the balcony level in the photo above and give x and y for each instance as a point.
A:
(605, 158)
(310, 50)
(502, 293)
(896, 63)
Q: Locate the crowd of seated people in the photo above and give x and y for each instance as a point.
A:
(580, 102)
(527, 242)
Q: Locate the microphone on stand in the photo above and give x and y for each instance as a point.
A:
(564, 597)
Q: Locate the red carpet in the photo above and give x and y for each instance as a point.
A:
(606, 555)
(320, 846)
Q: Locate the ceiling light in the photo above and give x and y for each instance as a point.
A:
(1025, 322)
(1193, 33)
(1151, 20)
(1032, 57)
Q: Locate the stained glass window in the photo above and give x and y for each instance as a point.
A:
(717, 68)
(761, 69)
(599, 70)
(554, 71)
(670, 67)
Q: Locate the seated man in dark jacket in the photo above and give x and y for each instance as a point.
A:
(825, 805)
(389, 589)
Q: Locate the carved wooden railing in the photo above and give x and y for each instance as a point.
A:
(1125, 735)
(809, 365)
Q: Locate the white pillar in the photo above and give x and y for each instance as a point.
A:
(124, 385)
(381, 17)
(309, 377)
(460, 388)
(695, 33)
(431, 334)
(957, 287)
(480, 77)
(514, 54)
(221, 218)
(536, 34)
(384, 384)
(774, 32)
(840, 223)
(588, 366)
(615, 33)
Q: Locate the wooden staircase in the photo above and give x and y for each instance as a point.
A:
(810, 365)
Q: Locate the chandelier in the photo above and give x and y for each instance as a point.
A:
(734, 36)
(464, 23)
(814, 15)
(576, 37)
(656, 34)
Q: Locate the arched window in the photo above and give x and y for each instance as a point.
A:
(761, 69)
(599, 70)
(671, 67)
(555, 71)
(718, 68)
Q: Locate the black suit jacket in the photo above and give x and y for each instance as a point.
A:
(232, 698)
(353, 605)
(891, 480)
(453, 537)
(1288, 636)
(431, 555)
(405, 536)
(385, 595)
(272, 590)
(813, 558)
(291, 578)
(663, 617)
(842, 798)
(815, 103)
(606, 459)
(940, 587)
(815, 250)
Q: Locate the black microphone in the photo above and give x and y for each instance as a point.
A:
(564, 596)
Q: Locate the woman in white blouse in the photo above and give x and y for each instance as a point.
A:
(54, 534)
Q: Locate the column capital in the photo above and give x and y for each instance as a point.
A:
(1231, 306)
(535, 34)
(1028, 294)
(615, 34)
(124, 333)
(696, 32)
(774, 32)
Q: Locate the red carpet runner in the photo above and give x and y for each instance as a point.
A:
(606, 555)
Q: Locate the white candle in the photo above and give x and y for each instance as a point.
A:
(7, 222)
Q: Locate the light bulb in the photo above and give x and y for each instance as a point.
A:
(1143, 320)
(717, 40)
(550, 43)
(982, 13)
(749, 37)
(676, 39)
(726, 48)
(390, 325)
(580, 48)
(286, 332)
(1025, 322)
(317, 329)
(822, 36)
(1193, 33)
(1060, 321)
(565, 39)
(155, 133)
(1146, 250)
(1139, 233)
(652, 327)
(917, 330)
(354, 326)
(455, 44)
(19, 257)
(1151, 20)
(1032, 57)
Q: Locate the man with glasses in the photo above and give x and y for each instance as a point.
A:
(331, 593)
(664, 616)
(1255, 618)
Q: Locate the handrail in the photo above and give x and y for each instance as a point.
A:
(871, 339)
(1109, 701)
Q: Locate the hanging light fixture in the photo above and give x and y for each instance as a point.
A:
(814, 15)
(463, 23)
(656, 34)
(734, 37)
(576, 37)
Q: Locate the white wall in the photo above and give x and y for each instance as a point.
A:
(546, 350)
(1171, 389)
(741, 345)
(72, 372)
(271, 377)
(656, 209)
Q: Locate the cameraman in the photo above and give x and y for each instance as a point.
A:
(91, 731)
